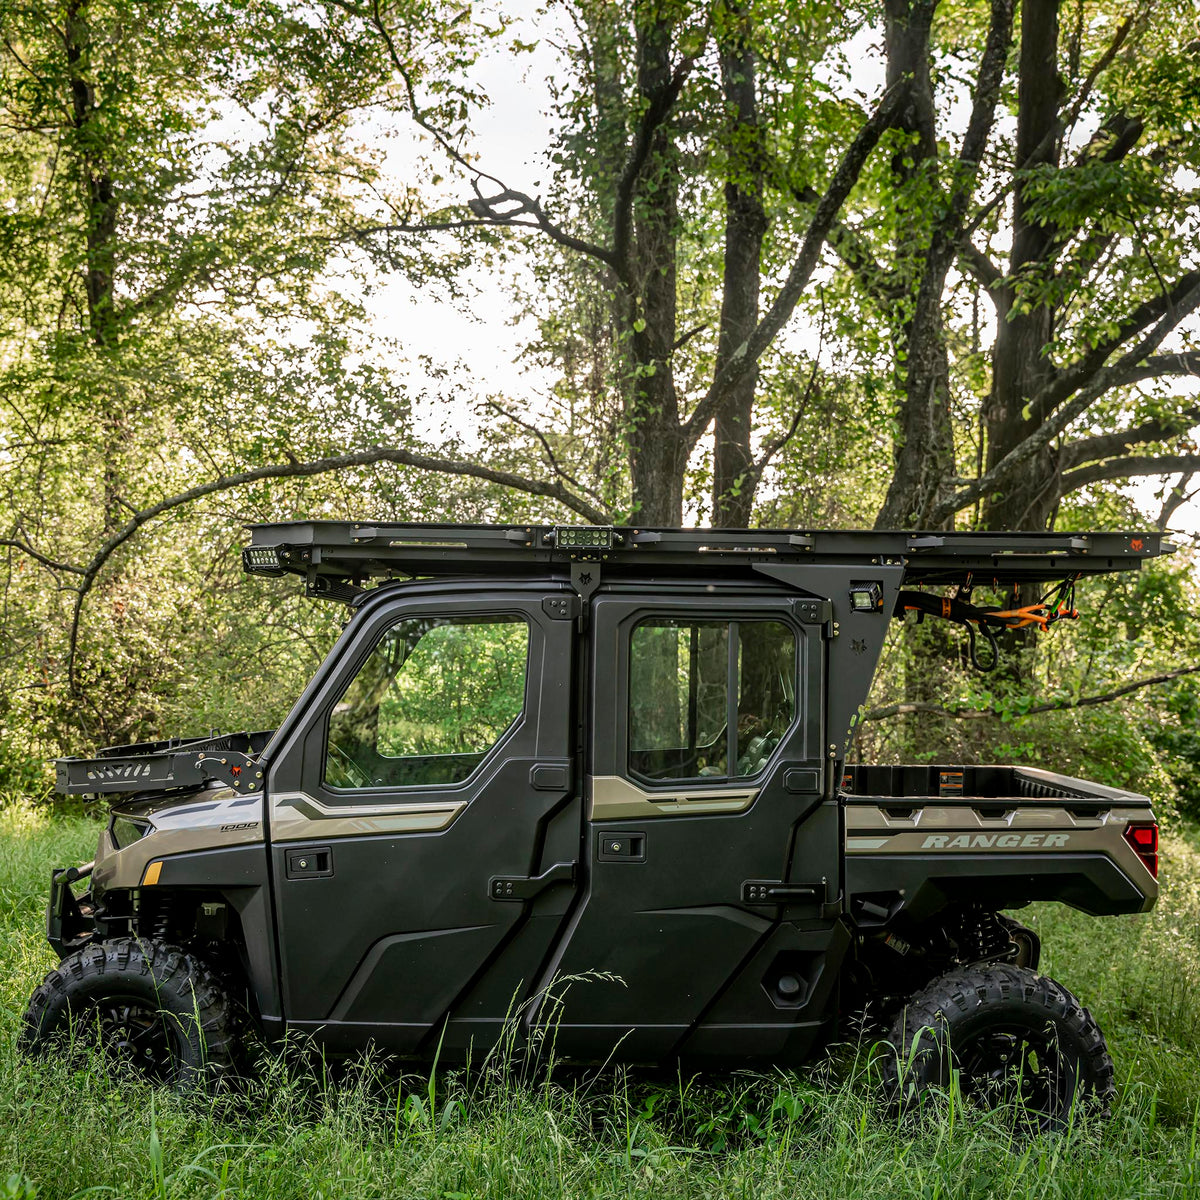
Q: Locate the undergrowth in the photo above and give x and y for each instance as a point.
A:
(81, 1128)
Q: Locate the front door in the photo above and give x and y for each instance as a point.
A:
(424, 818)
(709, 914)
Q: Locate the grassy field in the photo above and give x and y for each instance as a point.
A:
(84, 1132)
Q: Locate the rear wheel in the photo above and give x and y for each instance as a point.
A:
(1016, 1038)
(152, 1006)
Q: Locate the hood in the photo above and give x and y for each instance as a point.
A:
(151, 826)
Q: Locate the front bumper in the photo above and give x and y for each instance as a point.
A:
(70, 922)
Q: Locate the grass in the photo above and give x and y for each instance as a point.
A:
(68, 1131)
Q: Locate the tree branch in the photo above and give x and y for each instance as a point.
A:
(547, 449)
(1079, 373)
(17, 544)
(483, 207)
(980, 267)
(1105, 445)
(320, 466)
(1127, 466)
(656, 113)
(1179, 495)
(1102, 380)
(746, 357)
(848, 244)
(1159, 366)
(988, 79)
(487, 209)
(905, 708)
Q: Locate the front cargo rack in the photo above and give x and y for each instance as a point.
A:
(337, 558)
(230, 758)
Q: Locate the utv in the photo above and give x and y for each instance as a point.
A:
(587, 788)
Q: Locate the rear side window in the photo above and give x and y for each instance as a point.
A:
(708, 699)
(433, 697)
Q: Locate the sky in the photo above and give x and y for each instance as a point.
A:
(513, 133)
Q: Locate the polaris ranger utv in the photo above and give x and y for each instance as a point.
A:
(615, 756)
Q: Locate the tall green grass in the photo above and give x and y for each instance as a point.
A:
(76, 1129)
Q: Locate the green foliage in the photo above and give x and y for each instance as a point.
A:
(1176, 741)
(195, 200)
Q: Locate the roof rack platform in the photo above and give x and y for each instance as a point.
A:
(337, 558)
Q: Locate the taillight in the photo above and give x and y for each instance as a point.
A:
(1144, 840)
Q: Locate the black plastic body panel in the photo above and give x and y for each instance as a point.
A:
(1093, 883)
(239, 874)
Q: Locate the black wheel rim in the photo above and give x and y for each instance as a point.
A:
(1018, 1065)
(140, 1035)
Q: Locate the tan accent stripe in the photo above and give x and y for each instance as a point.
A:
(614, 798)
(153, 871)
(297, 816)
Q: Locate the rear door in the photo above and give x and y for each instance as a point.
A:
(712, 840)
(424, 820)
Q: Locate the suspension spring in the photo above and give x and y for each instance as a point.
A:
(162, 921)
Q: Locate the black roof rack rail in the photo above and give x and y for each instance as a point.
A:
(338, 558)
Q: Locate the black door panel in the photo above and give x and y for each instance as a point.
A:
(665, 908)
(404, 926)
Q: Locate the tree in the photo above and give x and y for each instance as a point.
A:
(171, 180)
(1075, 221)
(666, 117)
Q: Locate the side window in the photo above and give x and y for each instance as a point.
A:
(708, 699)
(432, 699)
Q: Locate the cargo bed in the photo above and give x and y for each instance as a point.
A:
(880, 784)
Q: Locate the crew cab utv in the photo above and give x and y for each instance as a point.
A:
(587, 788)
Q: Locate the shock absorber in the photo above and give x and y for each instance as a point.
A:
(160, 927)
(982, 936)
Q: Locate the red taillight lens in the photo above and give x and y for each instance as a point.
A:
(1144, 840)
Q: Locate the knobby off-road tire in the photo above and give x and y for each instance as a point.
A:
(154, 1006)
(1016, 1038)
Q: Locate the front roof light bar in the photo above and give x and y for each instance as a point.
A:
(262, 560)
(584, 537)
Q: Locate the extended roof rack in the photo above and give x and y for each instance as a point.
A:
(337, 558)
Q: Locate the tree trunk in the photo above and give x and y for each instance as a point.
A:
(924, 438)
(924, 451)
(658, 454)
(100, 228)
(1020, 366)
(734, 479)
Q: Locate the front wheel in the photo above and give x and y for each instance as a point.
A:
(1015, 1037)
(153, 1006)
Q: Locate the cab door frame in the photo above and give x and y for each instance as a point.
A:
(667, 905)
(396, 930)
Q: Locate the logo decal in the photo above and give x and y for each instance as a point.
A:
(997, 841)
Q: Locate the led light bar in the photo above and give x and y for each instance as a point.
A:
(585, 537)
(262, 560)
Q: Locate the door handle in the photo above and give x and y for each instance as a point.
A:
(314, 862)
(615, 846)
(525, 887)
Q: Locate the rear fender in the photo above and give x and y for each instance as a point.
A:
(921, 859)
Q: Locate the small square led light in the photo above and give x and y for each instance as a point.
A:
(866, 597)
